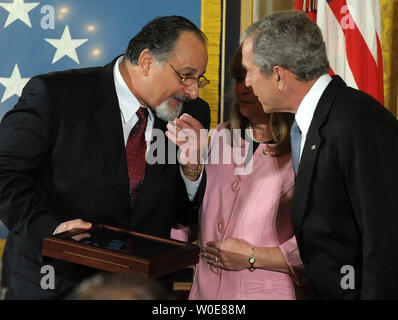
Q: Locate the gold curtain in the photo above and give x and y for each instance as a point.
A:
(2, 244)
(211, 25)
(246, 14)
(262, 8)
(389, 39)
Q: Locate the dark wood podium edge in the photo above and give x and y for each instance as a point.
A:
(117, 262)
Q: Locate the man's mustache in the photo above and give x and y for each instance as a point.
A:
(179, 97)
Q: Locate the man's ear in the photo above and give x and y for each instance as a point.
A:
(145, 61)
(279, 75)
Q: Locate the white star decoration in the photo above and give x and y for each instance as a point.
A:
(66, 46)
(18, 9)
(14, 84)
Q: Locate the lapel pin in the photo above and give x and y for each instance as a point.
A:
(313, 147)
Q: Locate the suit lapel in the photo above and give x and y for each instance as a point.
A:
(107, 119)
(312, 147)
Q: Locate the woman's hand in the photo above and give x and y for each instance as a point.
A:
(231, 254)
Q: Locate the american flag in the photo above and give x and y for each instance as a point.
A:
(352, 33)
(43, 36)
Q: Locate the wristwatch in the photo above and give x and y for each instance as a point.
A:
(252, 260)
(193, 173)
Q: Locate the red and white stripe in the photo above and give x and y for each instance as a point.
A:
(352, 33)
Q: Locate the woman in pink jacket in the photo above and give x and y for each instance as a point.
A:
(248, 247)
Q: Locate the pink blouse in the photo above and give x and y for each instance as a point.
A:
(255, 206)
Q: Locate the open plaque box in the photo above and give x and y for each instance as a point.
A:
(121, 251)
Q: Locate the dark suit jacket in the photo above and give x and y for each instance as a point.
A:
(62, 157)
(345, 208)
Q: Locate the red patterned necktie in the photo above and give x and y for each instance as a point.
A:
(135, 153)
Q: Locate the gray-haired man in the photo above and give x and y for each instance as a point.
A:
(344, 209)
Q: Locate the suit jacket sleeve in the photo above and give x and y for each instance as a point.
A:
(370, 159)
(26, 134)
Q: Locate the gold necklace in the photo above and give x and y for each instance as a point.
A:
(250, 133)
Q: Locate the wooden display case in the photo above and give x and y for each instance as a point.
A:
(121, 251)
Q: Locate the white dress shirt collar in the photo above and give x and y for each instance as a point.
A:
(307, 107)
(128, 103)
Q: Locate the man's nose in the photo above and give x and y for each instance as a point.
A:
(192, 91)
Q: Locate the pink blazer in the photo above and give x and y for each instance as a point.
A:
(254, 207)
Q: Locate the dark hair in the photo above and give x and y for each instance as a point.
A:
(159, 36)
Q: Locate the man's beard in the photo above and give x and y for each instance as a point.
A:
(163, 111)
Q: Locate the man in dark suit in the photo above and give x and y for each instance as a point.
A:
(345, 155)
(69, 152)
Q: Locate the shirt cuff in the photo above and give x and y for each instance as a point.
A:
(55, 230)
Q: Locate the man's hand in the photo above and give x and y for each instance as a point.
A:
(190, 136)
(72, 224)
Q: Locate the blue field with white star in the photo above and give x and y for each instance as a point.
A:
(43, 36)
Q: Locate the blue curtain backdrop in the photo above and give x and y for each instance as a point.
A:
(79, 34)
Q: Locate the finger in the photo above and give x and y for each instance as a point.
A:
(209, 258)
(187, 136)
(187, 121)
(191, 121)
(170, 135)
(207, 255)
(80, 224)
(73, 224)
(179, 136)
(171, 127)
(62, 228)
(213, 251)
(176, 140)
(212, 244)
(214, 261)
(81, 236)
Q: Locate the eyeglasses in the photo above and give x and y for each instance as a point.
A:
(189, 81)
